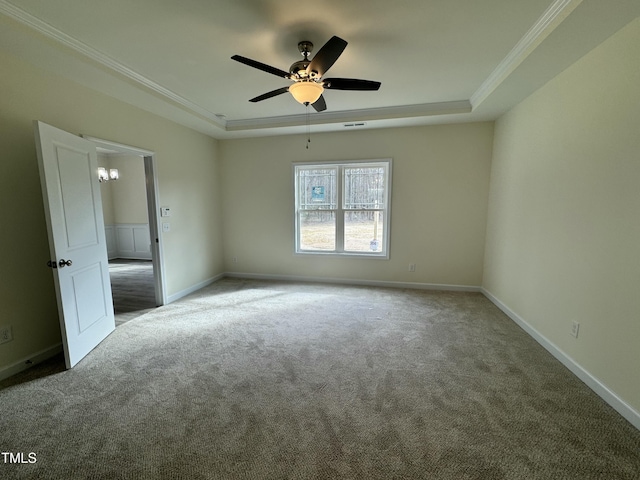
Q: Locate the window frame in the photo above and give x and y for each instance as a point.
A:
(340, 166)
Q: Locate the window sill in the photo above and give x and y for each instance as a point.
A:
(376, 256)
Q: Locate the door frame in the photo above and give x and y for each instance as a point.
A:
(153, 206)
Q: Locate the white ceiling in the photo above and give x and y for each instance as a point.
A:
(438, 60)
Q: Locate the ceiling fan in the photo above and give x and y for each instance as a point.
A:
(307, 75)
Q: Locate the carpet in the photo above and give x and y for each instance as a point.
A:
(252, 379)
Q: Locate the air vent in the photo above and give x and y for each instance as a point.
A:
(359, 124)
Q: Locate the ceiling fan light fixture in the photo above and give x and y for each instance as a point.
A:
(307, 75)
(306, 92)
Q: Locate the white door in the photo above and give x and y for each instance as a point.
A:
(73, 210)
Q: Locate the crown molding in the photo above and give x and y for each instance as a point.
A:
(50, 31)
(369, 114)
(553, 16)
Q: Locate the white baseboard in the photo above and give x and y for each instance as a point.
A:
(591, 381)
(121, 256)
(193, 288)
(30, 361)
(352, 281)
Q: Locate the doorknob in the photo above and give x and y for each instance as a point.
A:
(64, 263)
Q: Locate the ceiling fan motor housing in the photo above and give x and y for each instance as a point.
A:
(299, 69)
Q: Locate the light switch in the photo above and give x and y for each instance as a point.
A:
(166, 226)
(165, 211)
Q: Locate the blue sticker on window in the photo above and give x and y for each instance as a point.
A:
(317, 194)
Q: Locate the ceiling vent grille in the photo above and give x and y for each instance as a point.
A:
(359, 124)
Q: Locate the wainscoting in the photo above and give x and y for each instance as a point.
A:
(128, 240)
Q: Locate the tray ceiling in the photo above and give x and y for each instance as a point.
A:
(452, 61)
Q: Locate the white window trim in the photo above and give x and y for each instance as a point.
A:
(340, 209)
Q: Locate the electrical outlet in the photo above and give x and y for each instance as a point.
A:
(575, 328)
(5, 334)
(412, 267)
(235, 259)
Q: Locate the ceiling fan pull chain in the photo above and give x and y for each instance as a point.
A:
(308, 128)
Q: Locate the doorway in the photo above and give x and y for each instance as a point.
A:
(130, 209)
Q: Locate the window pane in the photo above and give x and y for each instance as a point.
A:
(317, 230)
(363, 231)
(364, 187)
(317, 189)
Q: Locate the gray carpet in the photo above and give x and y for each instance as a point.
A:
(253, 380)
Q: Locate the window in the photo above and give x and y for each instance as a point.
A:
(343, 208)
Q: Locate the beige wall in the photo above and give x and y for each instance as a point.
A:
(563, 234)
(188, 175)
(439, 201)
(126, 198)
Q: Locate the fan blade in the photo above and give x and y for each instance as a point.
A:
(319, 105)
(350, 84)
(327, 56)
(270, 94)
(261, 66)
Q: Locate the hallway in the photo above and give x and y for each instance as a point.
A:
(132, 287)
